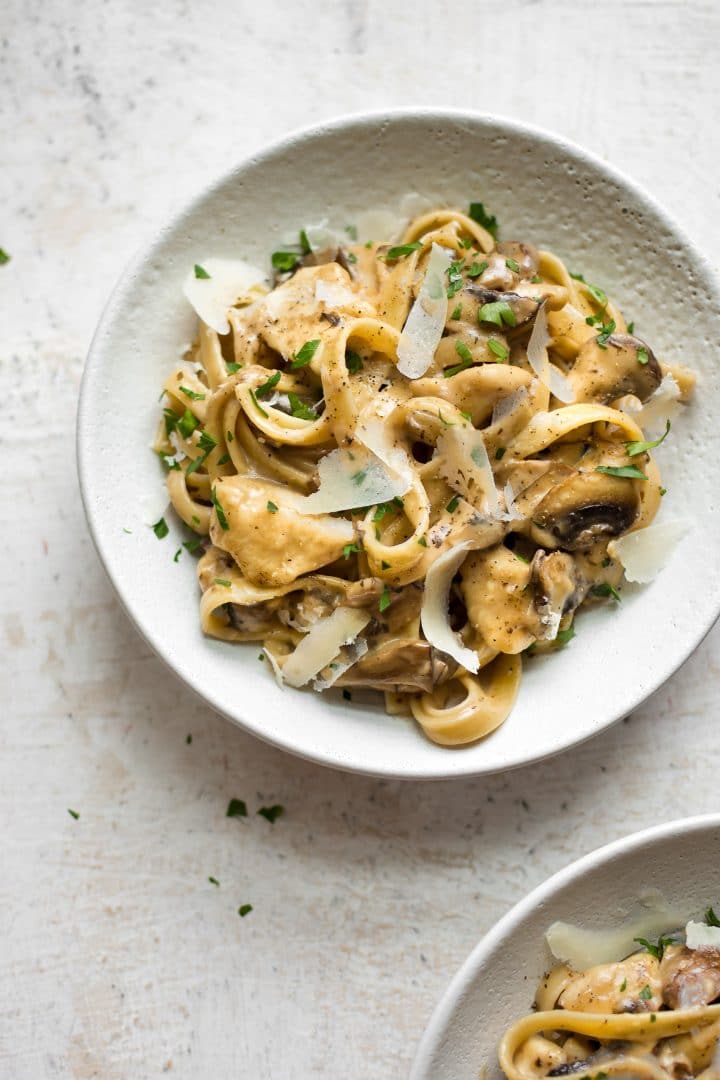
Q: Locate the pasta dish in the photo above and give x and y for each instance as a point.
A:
(408, 464)
(650, 1015)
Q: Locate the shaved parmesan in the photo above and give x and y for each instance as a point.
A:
(346, 658)
(645, 552)
(511, 511)
(424, 327)
(230, 281)
(378, 225)
(413, 204)
(320, 237)
(372, 433)
(277, 670)
(153, 504)
(322, 644)
(548, 374)
(584, 947)
(434, 617)
(664, 405)
(700, 936)
(352, 478)
(465, 465)
(332, 295)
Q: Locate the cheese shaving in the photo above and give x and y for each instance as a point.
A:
(378, 225)
(346, 658)
(465, 465)
(434, 616)
(320, 237)
(350, 479)
(372, 433)
(424, 326)
(548, 374)
(322, 644)
(645, 552)
(700, 936)
(230, 281)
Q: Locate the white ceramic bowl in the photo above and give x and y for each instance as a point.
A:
(496, 984)
(542, 189)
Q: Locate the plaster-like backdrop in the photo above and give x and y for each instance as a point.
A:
(119, 958)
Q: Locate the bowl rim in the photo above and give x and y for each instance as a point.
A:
(92, 371)
(500, 931)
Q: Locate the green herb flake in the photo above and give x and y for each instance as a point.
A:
(385, 565)
(353, 361)
(305, 354)
(466, 243)
(455, 278)
(271, 507)
(229, 437)
(499, 312)
(498, 349)
(268, 385)
(623, 987)
(207, 444)
(351, 549)
(224, 582)
(564, 636)
(629, 472)
(711, 918)
(201, 272)
(177, 554)
(422, 542)
(222, 520)
(456, 312)
(236, 808)
(385, 599)
(513, 264)
(453, 504)
(4, 257)
(244, 910)
(401, 250)
(643, 357)
(631, 328)
(214, 881)
(352, 232)
(271, 813)
(634, 448)
(536, 279)
(192, 545)
(577, 277)
(488, 221)
(160, 528)
(258, 406)
(232, 367)
(284, 261)
(304, 243)
(299, 409)
(224, 460)
(605, 590)
(663, 491)
(73, 814)
(477, 269)
(187, 424)
(605, 331)
(656, 949)
(191, 394)
(645, 994)
(597, 294)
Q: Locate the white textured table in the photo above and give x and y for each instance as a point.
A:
(118, 957)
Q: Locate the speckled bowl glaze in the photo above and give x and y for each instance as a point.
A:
(542, 189)
(497, 983)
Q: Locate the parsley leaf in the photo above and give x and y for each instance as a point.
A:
(400, 250)
(351, 549)
(513, 264)
(500, 453)
(304, 243)
(455, 278)
(305, 354)
(244, 910)
(4, 257)
(207, 444)
(271, 506)
(284, 261)
(268, 385)
(236, 808)
(643, 356)
(630, 472)
(300, 409)
(477, 269)
(498, 312)
(634, 448)
(232, 367)
(353, 361)
(645, 994)
(191, 394)
(160, 528)
(657, 949)
(605, 331)
(453, 504)
(73, 813)
(457, 312)
(222, 520)
(466, 357)
(606, 589)
(385, 599)
(564, 636)
(201, 272)
(498, 349)
(271, 813)
(224, 582)
(214, 881)
(186, 424)
(711, 918)
(488, 221)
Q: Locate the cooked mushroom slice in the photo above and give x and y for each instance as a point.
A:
(585, 508)
(558, 589)
(404, 604)
(690, 977)
(302, 609)
(626, 365)
(524, 308)
(632, 985)
(407, 665)
(255, 618)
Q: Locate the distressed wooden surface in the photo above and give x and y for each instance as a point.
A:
(119, 959)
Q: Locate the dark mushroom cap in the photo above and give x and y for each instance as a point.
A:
(603, 374)
(405, 666)
(585, 508)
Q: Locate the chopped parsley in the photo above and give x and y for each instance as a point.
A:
(244, 910)
(645, 994)
(224, 582)
(453, 504)
(300, 409)
(711, 918)
(606, 589)
(643, 356)
(564, 636)
(186, 424)
(268, 385)
(400, 250)
(188, 740)
(192, 545)
(351, 549)
(513, 264)
(385, 599)
(73, 814)
(4, 257)
(630, 472)
(352, 232)
(385, 565)
(500, 453)
(466, 357)
(577, 277)
(422, 542)
(201, 272)
(498, 349)
(634, 448)
(305, 354)
(304, 243)
(177, 554)
(160, 528)
(232, 367)
(456, 312)
(214, 881)
(229, 436)
(272, 507)
(477, 269)
(455, 279)
(623, 987)
(488, 221)
(353, 361)
(258, 406)
(499, 312)
(236, 808)
(631, 328)
(191, 394)
(536, 279)
(207, 444)
(284, 261)
(271, 813)
(655, 949)
(597, 294)
(605, 331)
(222, 520)
(224, 459)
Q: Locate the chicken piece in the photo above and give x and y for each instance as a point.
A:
(273, 547)
(690, 977)
(632, 985)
